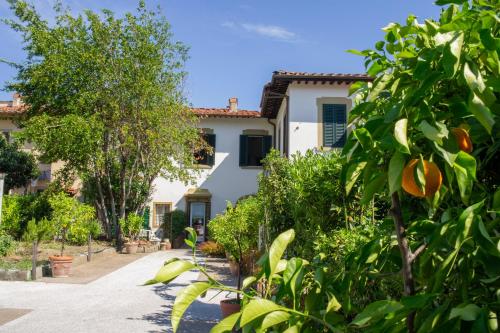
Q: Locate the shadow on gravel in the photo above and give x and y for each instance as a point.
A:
(199, 317)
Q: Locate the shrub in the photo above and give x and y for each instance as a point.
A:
(178, 223)
(7, 243)
(78, 233)
(131, 226)
(212, 249)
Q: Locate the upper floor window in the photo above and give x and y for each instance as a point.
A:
(253, 149)
(204, 157)
(334, 125)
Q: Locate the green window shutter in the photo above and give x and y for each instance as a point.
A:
(243, 150)
(145, 216)
(211, 141)
(334, 125)
(267, 142)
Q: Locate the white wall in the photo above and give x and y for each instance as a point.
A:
(225, 180)
(304, 112)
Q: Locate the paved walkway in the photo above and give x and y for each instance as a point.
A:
(113, 303)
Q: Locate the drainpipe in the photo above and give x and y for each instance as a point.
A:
(274, 132)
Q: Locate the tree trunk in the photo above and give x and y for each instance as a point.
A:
(89, 248)
(34, 260)
(102, 205)
(406, 255)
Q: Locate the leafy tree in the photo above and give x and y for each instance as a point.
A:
(434, 105)
(104, 95)
(20, 166)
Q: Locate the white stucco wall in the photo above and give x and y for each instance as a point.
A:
(303, 110)
(226, 180)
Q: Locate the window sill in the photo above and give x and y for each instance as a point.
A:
(202, 166)
(251, 167)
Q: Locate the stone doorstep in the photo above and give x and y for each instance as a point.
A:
(21, 275)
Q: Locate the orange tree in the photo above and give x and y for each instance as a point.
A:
(426, 135)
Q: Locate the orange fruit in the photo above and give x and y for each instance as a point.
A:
(463, 139)
(433, 179)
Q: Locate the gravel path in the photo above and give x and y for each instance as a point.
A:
(114, 303)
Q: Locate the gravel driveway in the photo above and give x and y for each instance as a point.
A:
(114, 303)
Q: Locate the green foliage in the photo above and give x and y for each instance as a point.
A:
(305, 192)
(432, 77)
(237, 229)
(38, 230)
(18, 210)
(72, 219)
(104, 94)
(20, 166)
(7, 243)
(178, 222)
(131, 226)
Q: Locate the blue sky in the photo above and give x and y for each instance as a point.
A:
(236, 45)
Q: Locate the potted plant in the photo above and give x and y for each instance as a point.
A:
(66, 212)
(237, 232)
(131, 226)
(178, 225)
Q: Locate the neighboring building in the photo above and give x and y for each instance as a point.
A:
(299, 111)
(10, 113)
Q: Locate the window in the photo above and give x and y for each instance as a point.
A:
(160, 212)
(6, 135)
(253, 149)
(203, 157)
(334, 125)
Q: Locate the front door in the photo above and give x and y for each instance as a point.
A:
(197, 219)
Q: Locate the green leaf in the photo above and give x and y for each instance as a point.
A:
(378, 86)
(364, 138)
(374, 186)
(465, 171)
(481, 112)
(396, 166)
(191, 239)
(417, 301)
(172, 270)
(376, 310)
(400, 134)
(257, 308)
(274, 318)
(451, 54)
(447, 2)
(292, 329)
(184, 299)
(433, 133)
(248, 282)
(496, 201)
(356, 86)
(333, 305)
(227, 324)
(277, 249)
(465, 222)
(353, 172)
(467, 312)
(419, 174)
(488, 40)
(474, 80)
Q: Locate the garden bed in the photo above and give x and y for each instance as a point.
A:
(17, 266)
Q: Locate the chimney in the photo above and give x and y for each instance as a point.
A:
(16, 100)
(233, 104)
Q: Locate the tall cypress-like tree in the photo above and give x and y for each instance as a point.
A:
(104, 95)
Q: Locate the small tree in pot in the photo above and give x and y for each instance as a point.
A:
(131, 226)
(66, 212)
(237, 232)
(35, 233)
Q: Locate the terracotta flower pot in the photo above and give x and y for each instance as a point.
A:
(61, 265)
(131, 247)
(164, 246)
(229, 306)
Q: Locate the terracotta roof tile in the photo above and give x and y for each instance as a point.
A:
(11, 110)
(274, 91)
(225, 113)
(203, 112)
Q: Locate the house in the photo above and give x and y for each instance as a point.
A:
(299, 111)
(10, 113)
